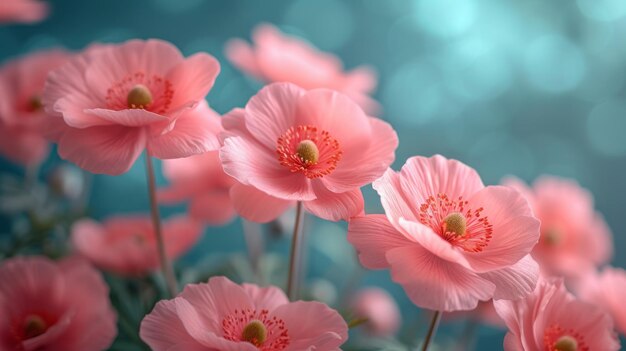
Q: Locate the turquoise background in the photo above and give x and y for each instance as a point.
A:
(509, 87)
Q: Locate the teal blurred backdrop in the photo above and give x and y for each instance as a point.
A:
(509, 87)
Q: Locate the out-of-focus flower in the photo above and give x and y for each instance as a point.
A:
(553, 319)
(575, 239)
(111, 102)
(201, 180)
(276, 57)
(222, 315)
(380, 310)
(314, 146)
(21, 111)
(484, 313)
(127, 245)
(22, 11)
(606, 290)
(449, 240)
(54, 306)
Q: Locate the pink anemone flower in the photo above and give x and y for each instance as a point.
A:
(380, 310)
(111, 102)
(276, 57)
(22, 11)
(22, 115)
(48, 305)
(575, 239)
(553, 319)
(606, 290)
(449, 240)
(127, 245)
(201, 180)
(314, 146)
(222, 315)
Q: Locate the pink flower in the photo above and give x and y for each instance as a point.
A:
(47, 305)
(222, 315)
(202, 180)
(315, 146)
(22, 11)
(380, 310)
(21, 110)
(127, 245)
(574, 238)
(113, 101)
(607, 291)
(280, 58)
(553, 319)
(449, 240)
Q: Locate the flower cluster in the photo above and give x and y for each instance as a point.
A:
(306, 140)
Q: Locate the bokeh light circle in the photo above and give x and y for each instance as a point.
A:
(602, 10)
(606, 128)
(554, 64)
(445, 18)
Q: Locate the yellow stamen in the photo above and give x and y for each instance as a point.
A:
(34, 326)
(308, 152)
(455, 223)
(566, 343)
(254, 333)
(139, 97)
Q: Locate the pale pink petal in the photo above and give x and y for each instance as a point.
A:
(335, 206)
(352, 171)
(128, 117)
(109, 150)
(253, 164)
(362, 79)
(422, 177)
(268, 298)
(153, 330)
(372, 236)
(337, 114)
(180, 234)
(214, 208)
(241, 55)
(24, 11)
(395, 202)
(234, 124)
(220, 299)
(193, 78)
(432, 242)
(323, 327)
(515, 229)
(257, 206)
(515, 281)
(194, 132)
(434, 283)
(22, 146)
(272, 111)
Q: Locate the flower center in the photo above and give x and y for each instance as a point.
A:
(254, 333)
(139, 97)
(566, 343)
(34, 326)
(140, 91)
(556, 338)
(309, 150)
(35, 103)
(552, 237)
(456, 222)
(258, 328)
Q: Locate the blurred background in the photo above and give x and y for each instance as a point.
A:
(520, 88)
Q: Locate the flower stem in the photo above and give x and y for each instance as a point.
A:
(166, 266)
(434, 323)
(295, 257)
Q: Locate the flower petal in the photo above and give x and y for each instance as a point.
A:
(516, 281)
(434, 283)
(163, 330)
(193, 78)
(257, 206)
(108, 150)
(372, 236)
(335, 206)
